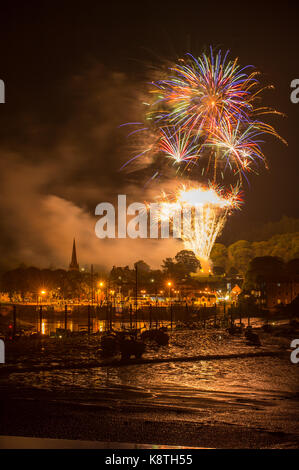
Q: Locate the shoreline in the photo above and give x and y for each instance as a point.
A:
(246, 397)
(75, 421)
(7, 370)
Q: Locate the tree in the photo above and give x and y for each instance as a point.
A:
(122, 275)
(218, 270)
(263, 269)
(142, 267)
(284, 245)
(168, 266)
(172, 270)
(292, 268)
(188, 261)
(239, 255)
(219, 256)
(260, 248)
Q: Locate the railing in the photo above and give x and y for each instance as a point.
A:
(16, 319)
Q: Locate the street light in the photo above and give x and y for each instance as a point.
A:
(101, 284)
(169, 284)
(41, 293)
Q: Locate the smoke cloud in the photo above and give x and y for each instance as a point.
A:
(61, 167)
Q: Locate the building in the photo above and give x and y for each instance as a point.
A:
(74, 266)
(204, 299)
(272, 293)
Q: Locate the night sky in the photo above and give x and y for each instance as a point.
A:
(74, 73)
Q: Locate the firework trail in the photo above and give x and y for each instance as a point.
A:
(202, 212)
(203, 119)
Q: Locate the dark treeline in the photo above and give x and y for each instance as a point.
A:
(270, 269)
(62, 284)
(236, 257)
(264, 232)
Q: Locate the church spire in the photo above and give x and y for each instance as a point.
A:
(74, 266)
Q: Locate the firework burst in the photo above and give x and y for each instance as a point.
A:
(204, 118)
(203, 212)
(178, 146)
(202, 91)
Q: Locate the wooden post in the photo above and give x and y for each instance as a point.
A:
(40, 318)
(136, 293)
(131, 316)
(65, 317)
(88, 319)
(111, 311)
(91, 282)
(150, 316)
(107, 316)
(14, 324)
(171, 314)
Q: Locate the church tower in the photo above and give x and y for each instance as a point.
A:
(74, 266)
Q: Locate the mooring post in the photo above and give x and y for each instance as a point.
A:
(65, 317)
(40, 318)
(111, 314)
(130, 316)
(150, 316)
(14, 321)
(171, 314)
(88, 319)
(136, 293)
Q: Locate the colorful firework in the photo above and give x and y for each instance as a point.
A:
(203, 91)
(178, 146)
(203, 116)
(204, 113)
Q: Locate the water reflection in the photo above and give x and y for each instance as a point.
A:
(50, 326)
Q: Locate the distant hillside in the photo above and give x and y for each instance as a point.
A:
(238, 254)
(268, 230)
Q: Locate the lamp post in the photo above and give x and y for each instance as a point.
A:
(100, 285)
(169, 284)
(42, 293)
(112, 306)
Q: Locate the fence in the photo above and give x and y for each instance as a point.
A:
(15, 319)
